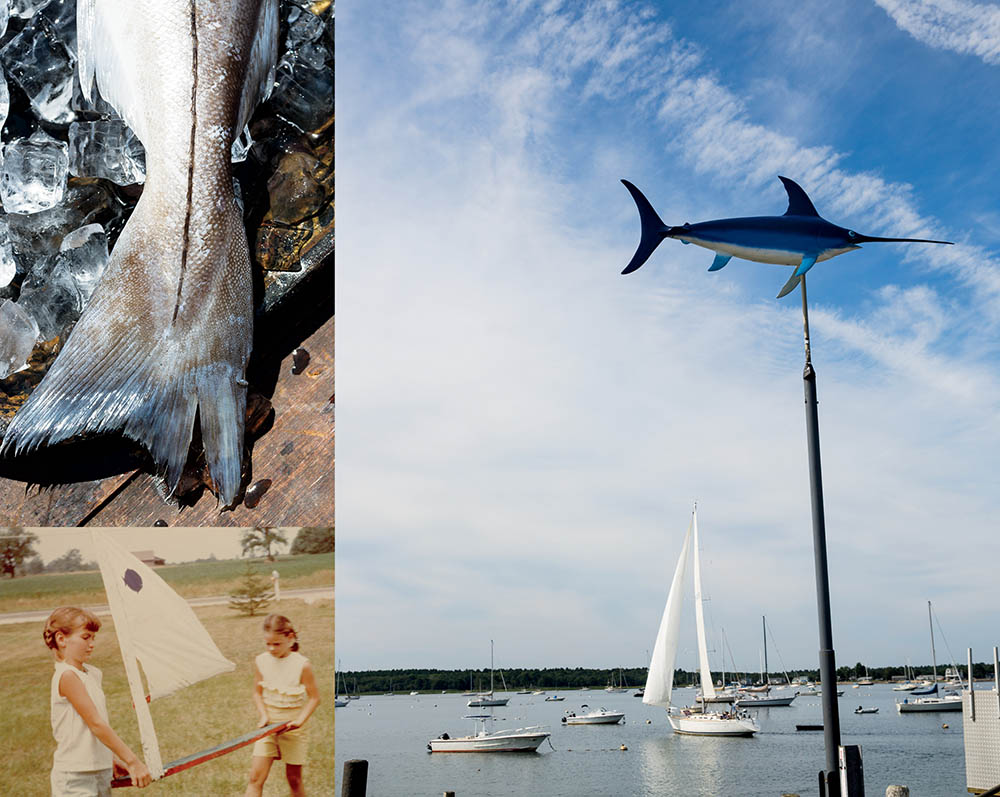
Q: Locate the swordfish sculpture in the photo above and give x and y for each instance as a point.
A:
(800, 238)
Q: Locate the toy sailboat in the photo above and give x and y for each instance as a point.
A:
(158, 629)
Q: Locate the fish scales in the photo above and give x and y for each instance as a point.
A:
(167, 334)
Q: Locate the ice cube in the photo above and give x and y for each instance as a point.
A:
(82, 258)
(34, 172)
(106, 148)
(303, 95)
(25, 8)
(4, 99)
(43, 66)
(50, 296)
(18, 333)
(8, 265)
(303, 26)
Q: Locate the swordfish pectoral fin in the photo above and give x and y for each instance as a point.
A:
(808, 261)
(788, 287)
(719, 262)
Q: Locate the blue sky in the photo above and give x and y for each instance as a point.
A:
(522, 430)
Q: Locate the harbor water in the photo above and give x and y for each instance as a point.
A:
(392, 731)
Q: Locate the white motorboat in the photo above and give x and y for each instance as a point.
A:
(928, 699)
(600, 717)
(488, 699)
(554, 699)
(660, 680)
(519, 740)
(862, 710)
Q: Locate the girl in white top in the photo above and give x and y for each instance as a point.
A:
(88, 751)
(284, 691)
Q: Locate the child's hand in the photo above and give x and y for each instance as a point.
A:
(140, 774)
(263, 721)
(120, 770)
(292, 724)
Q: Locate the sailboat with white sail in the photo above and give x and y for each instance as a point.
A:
(660, 680)
(157, 629)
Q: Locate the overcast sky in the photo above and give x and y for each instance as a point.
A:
(523, 430)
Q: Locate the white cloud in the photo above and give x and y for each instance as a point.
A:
(522, 429)
(963, 27)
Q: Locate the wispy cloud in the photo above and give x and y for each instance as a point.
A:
(514, 414)
(957, 25)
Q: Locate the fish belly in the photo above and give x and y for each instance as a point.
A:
(779, 257)
(167, 334)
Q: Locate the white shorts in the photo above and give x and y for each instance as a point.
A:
(81, 784)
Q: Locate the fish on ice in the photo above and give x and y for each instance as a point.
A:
(800, 238)
(167, 334)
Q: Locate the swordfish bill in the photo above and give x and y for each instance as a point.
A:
(800, 238)
(167, 334)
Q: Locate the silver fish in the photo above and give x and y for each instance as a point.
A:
(167, 334)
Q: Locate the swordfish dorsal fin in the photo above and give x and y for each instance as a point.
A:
(798, 203)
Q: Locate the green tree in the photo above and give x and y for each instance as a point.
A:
(33, 566)
(262, 538)
(253, 593)
(69, 562)
(15, 547)
(313, 540)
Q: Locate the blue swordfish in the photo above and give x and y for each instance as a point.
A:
(800, 238)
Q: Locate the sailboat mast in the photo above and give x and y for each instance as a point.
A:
(707, 685)
(767, 680)
(491, 668)
(933, 654)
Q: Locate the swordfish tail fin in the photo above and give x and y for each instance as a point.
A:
(653, 229)
(164, 340)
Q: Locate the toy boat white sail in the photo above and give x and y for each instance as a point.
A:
(158, 629)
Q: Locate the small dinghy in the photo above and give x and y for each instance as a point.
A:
(862, 710)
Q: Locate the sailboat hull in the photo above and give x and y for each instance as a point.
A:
(930, 704)
(709, 725)
(764, 702)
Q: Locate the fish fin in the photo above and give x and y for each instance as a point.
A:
(719, 262)
(808, 261)
(98, 28)
(653, 230)
(799, 203)
(259, 78)
(791, 285)
(128, 368)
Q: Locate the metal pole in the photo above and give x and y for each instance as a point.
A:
(827, 665)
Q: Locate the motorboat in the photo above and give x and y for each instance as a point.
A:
(519, 740)
(600, 717)
(862, 710)
(554, 699)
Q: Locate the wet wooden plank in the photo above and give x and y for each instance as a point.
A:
(296, 454)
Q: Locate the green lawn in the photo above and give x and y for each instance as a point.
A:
(190, 580)
(193, 719)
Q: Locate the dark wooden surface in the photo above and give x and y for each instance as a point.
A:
(295, 453)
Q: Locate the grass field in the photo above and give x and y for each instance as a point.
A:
(193, 719)
(191, 580)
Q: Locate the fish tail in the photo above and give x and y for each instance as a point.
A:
(653, 229)
(128, 367)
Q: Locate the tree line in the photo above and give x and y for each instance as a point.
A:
(19, 558)
(550, 678)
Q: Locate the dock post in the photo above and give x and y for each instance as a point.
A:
(355, 783)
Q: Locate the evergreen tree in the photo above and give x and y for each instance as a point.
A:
(253, 594)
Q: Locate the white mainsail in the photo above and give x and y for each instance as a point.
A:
(157, 627)
(660, 679)
(707, 687)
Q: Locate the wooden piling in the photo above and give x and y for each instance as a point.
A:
(355, 782)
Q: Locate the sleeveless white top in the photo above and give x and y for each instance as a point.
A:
(77, 749)
(281, 679)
